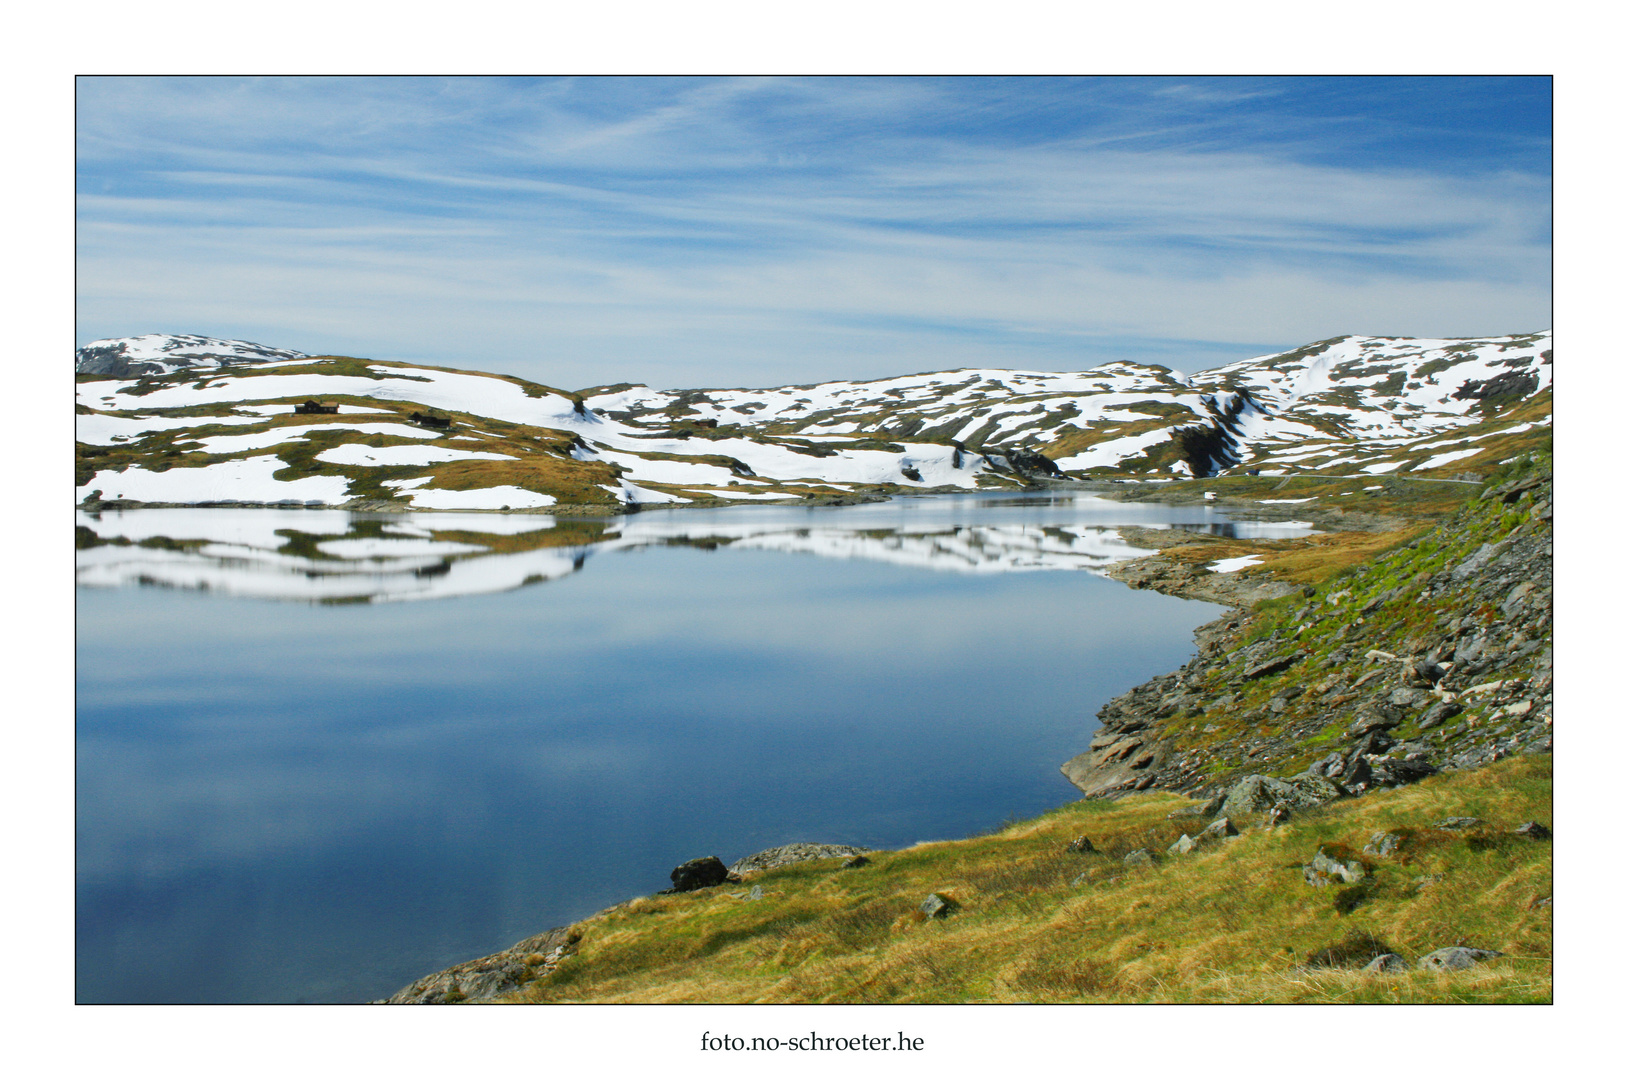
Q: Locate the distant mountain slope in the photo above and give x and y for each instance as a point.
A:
(155, 354)
(186, 419)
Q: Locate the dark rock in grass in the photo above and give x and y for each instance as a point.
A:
(1532, 830)
(1325, 869)
(1458, 823)
(1372, 721)
(1081, 845)
(699, 874)
(1334, 761)
(1219, 829)
(1456, 958)
(1387, 964)
(937, 906)
(855, 863)
(1382, 844)
(1139, 857)
(1440, 711)
(1358, 949)
(1273, 666)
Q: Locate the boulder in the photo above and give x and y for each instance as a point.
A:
(1455, 958)
(1081, 845)
(1324, 869)
(1382, 844)
(1458, 823)
(938, 906)
(1258, 794)
(1139, 857)
(699, 874)
(1533, 831)
(1385, 965)
(1371, 722)
(1184, 846)
(1219, 829)
(855, 862)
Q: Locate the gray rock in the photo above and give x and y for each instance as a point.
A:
(1081, 845)
(1183, 846)
(1441, 710)
(1382, 844)
(699, 874)
(1371, 721)
(855, 862)
(1332, 764)
(1455, 958)
(786, 854)
(1381, 965)
(1139, 857)
(938, 906)
(1532, 830)
(1458, 823)
(1219, 829)
(1258, 794)
(1324, 870)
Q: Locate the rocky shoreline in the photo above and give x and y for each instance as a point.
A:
(1435, 656)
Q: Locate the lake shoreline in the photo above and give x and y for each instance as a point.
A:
(1138, 748)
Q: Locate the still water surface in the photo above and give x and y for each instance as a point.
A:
(320, 801)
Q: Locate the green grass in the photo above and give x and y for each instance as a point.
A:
(1233, 922)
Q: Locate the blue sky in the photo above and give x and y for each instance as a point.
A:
(755, 232)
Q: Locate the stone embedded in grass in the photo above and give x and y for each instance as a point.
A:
(1139, 857)
(938, 906)
(1385, 965)
(1081, 845)
(1456, 958)
(1458, 823)
(1219, 829)
(1382, 844)
(855, 862)
(1324, 869)
(1532, 830)
(1183, 846)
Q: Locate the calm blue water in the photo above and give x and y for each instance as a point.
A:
(285, 801)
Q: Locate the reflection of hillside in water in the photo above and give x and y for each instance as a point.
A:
(336, 556)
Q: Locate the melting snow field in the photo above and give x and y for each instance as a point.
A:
(248, 480)
(1228, 566)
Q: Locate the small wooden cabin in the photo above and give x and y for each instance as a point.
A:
(431, 421)
(317, 407)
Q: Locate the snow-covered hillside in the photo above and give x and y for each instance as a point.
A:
(186, 420)
(154, 354)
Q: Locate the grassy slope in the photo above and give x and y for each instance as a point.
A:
(1233, 922)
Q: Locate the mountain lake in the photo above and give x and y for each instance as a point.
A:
(322, 753)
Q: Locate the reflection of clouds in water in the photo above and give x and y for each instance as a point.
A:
(378, 557)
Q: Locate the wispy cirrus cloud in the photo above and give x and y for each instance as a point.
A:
(751, 232)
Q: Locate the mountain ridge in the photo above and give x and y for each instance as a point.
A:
(189, 420)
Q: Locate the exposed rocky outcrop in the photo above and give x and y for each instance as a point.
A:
(786, 854)
(492, 976)
(1435, 656)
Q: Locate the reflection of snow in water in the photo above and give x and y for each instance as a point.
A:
(384, 557)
